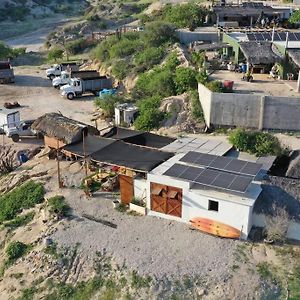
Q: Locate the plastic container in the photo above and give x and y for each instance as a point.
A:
(228, 85)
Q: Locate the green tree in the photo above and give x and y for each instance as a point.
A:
(5, 51)
(185, 79)
(55, 54)
(189, 15)
(159, 32)
(149, 57)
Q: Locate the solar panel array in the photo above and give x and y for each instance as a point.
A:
(227, 164)
(210, 177)
(278, 36)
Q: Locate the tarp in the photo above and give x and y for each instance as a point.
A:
(92, 144)
(131, 156)
(139, 138)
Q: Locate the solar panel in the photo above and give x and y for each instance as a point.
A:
(212, 178)
(292, 36)
(297, 35)
(282, 36)
(267, 36)
(251, 37)
(259, 37)
(222, 163)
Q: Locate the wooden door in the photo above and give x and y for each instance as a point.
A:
(166, 199)
(126, 188)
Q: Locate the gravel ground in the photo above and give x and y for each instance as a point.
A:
(153, 246)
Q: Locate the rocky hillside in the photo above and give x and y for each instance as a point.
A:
(19, 10)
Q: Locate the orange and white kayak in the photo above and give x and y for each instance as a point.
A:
(215, 228)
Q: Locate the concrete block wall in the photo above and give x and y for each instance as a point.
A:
(249, 111)
(187, 37)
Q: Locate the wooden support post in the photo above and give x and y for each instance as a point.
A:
(84, 154)
(298, 83)
(58, 166)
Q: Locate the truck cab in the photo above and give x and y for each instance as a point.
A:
(23, 129)
(64, 78)
(54, 71)
(72, 89)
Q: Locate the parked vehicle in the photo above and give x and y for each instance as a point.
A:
(80, 86)
(13, 127)
(56, 69)
(65, 77)
(6, 72)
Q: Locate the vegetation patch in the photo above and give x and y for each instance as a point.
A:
(20, 221)
(57, 205)
(23, 197)
(258, 143)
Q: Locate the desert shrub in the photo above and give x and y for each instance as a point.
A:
(55, 54)
(198, 59)
(77, 46)
(125, 47)
(295, 17)
(185, 79)
(149, 57)
(157, 82)
(172, 61)
(202, 76)
(158, 33)
(107, 103)
(150, 116)
(58, 206)
(25, 196)
(215, 86)
(7, 160)
(20, 221)
(189, 15)
(121, 68)
(15, 250)
(258, 143)
(277, 224)
(7, 52)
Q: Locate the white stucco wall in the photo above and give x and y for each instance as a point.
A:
(140, 187)
(194, 204)
(259, 220)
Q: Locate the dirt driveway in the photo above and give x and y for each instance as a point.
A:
(36, 95)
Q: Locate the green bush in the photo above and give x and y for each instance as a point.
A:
(7, 52)
(189, 15)
(77, 46)
(58, 206)
(25, 196)
(121, 68)
(55, 54)
(295, 17)
(258, 143)
(215, 86)
(107, 103)
(157, 82)
(185, 79)
(16, 250)
(150, 116)
(149, 57)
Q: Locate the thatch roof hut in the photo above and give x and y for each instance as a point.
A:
(260, 53)
(61, 128)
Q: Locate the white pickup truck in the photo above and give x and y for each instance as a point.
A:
(13, 127)
(80, 86)
(56, 69)
(65, 77)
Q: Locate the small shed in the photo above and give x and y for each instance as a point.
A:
(59, 130)
(125, 113)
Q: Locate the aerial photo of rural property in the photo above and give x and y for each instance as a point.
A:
(149, 149)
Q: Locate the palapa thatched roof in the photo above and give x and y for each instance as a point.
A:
(294, 55)
(57, 126)
(259, 53)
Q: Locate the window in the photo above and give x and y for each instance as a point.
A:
(213, 205)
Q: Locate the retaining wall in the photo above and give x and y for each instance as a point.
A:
(249, 111)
